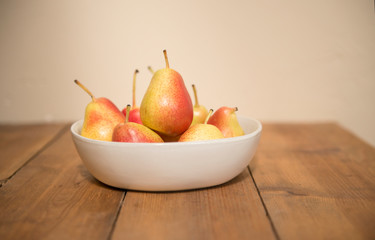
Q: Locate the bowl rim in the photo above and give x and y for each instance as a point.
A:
(169, 144)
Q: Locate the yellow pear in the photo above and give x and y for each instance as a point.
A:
(201, 132)
(200, 112)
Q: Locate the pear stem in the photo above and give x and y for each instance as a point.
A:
(151, 70)
(208, 116)
(84, 88)
(127, 113)
(134, 83)
(166, 58)
(195, 95)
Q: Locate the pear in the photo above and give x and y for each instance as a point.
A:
(226, 120)
(200, 112)
(201, 132)
(166, 106)
(134, 132)
(134, 115)
(101, 117)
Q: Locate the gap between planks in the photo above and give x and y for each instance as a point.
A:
(264, 205)
(44, 147)
(121, 203)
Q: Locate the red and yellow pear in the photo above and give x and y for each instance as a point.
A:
(134, 132)
(101, 117)
(200, 112)
(134, 115)
(226, 120)
(166, 106)
(201, 132)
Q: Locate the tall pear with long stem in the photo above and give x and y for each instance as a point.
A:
(166, 106)
(200, 112)
(134, 115)
(101, 117)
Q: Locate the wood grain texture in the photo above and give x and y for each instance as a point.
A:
(54, 197)
(18, 143)
(317, 181)
(229, 211)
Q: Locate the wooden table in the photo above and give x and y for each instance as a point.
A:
(306, 181)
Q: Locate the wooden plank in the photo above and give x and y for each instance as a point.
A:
(229, 211)
(18, 143)
(54, 197)
(317, 181)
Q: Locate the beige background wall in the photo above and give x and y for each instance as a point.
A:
(300, 61)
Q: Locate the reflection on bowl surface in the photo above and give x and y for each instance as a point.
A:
(168, 166)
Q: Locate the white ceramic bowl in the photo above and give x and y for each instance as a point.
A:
(168, 166)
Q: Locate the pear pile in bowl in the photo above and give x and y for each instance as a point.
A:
(166, 114)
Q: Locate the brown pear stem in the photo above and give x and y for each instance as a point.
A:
(166, 58)
(208, 116)
(84, 88)
(151, 70)
(195, 95)
(134, 84)
(127, 113)
(233, 110)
